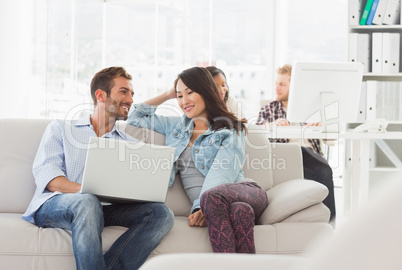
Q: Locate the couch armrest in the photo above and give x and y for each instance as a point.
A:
(291, 197)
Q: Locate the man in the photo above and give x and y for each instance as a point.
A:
(58, 169)
(315, 166)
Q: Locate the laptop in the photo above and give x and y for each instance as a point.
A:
(122, 171)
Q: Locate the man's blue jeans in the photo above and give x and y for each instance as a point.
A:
(85, 216)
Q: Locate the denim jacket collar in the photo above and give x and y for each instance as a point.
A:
(189, 126)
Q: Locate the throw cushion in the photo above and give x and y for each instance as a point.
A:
(291, 197)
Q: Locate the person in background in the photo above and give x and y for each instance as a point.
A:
(210, 150)
(232, 104)
(58, 168)
(315, 165)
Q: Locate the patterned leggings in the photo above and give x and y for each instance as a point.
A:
(231, 211)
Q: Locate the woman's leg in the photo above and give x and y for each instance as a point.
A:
(243, 221)
(231, 210)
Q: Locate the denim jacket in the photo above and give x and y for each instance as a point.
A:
(217, 154)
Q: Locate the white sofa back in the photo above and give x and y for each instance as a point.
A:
(20, 138)
(19, 141)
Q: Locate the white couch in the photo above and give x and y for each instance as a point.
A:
(295, 215)
(370, 240)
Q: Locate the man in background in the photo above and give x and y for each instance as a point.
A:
(315, 165)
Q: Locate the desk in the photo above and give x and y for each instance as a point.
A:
(356, 183)
(299, 132)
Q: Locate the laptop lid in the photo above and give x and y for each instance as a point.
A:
(121, 171)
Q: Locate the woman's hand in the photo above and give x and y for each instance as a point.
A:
(172, 93)
(165, 96)
(197, 219)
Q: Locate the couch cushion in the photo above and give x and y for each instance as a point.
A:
(19, 237)
(143, 134)
(19, 141)
(315, 213)
(280, 238)
(259, 160)
(290, 197)
(177, 199)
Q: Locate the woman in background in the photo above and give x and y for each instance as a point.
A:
(210, 145)
(232, 104)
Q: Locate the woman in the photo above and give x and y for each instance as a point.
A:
(231, 103)
(209, 143)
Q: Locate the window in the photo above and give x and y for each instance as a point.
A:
(58, 45)
(311, 30)
(154, 40)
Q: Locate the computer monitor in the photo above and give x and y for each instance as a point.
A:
(325, 92)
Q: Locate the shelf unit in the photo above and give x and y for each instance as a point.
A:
(382, 165)
(382, 77)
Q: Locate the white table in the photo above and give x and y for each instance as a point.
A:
(356, 183)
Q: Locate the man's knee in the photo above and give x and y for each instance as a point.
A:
(87, 205)
(164, 212)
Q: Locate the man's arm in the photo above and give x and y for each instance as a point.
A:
(49, 168)
(62, 184)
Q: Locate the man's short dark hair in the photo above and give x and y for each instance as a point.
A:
(104, 80)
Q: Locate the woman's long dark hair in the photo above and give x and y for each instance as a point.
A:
(200, 80)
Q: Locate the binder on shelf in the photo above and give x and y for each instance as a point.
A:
(400, 101)
(364, 51)
(371, 89)
(392, 12)
(360, 49)
(361, 117)
(387, 107)
(372, 12)
(356, 8)
(391, 52)
(366, 12)
(354, 12)
(376, 56)
(352, 52)
(380, 100)
(395, 101)
(380, 12)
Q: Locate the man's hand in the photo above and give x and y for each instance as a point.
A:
(314, 124)
(63, 185)
(197, 219)
(281, 122)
